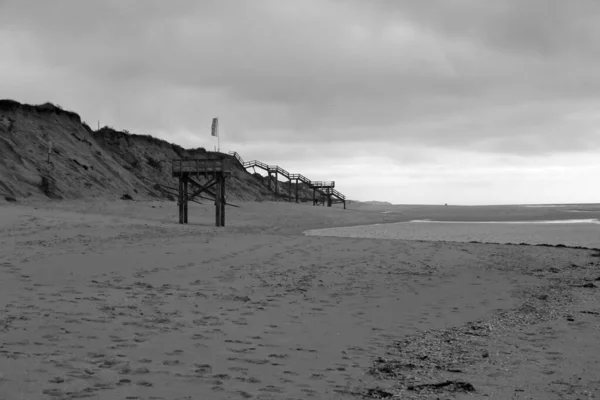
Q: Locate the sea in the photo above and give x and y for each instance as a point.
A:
(512, 225)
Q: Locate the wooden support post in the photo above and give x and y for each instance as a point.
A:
(218, 203)
(185, 201)
(270, 179)
(276, 184)
(297, 190)
(329, 199)
(223, 199)
(180, 200)
(290, 190)
(344, 204)
(314, 196)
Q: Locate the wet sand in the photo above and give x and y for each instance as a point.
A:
(111, 300)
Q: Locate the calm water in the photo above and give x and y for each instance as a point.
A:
(581, 232)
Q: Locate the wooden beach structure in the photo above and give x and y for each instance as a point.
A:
(323, 191)
(188, 171)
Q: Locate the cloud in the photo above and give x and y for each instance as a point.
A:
(321, 82)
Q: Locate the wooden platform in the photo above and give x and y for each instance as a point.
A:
(196, 167)
(187, 171)
(322, 184)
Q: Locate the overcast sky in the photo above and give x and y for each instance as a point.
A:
(408, 101)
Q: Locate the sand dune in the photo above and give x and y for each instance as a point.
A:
(113, 300)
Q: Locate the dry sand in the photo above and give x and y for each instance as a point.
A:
(114, 300)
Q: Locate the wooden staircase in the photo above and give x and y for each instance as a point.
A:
(325, 189)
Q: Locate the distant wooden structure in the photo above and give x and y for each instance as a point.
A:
(323, 192)
(187, 171)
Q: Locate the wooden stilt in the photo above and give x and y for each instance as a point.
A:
(314, 196)
(270, 179)
(180, 200)
(223, 200)
(297, 190)
(218, 204)
(185, 201)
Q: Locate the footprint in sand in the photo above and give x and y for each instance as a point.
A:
(257, 361)
(248, 380)
(271, 389)
(202, 369)
(136, 371)
(244, 350)
(238, 341)
(279, 356)
(208, 321)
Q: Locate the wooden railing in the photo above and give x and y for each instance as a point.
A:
(196, 166)
(338, 194)
(278, 169)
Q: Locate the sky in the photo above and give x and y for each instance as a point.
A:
(412, 102)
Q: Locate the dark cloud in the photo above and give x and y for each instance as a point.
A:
(532, 27)
(508, 77)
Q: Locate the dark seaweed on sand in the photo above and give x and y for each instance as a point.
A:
(422, 365)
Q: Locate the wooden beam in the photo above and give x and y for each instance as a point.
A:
(203, 188)
(171, 191)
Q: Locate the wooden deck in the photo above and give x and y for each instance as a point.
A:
(196, 167)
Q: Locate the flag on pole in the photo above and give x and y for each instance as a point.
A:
(215, 127)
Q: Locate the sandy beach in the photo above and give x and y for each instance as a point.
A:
(115, 300)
